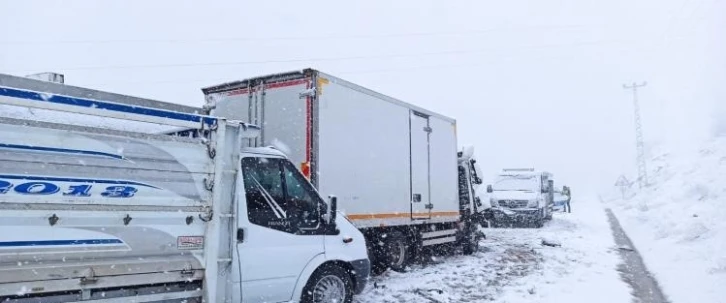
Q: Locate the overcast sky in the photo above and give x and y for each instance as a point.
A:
(531, 82)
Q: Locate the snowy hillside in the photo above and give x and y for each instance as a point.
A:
(679, 222)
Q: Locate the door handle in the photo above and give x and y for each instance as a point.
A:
(416, 198)
(240, 235)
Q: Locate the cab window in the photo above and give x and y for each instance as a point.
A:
(278, 197)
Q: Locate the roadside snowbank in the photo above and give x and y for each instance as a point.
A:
(678, 224)
(515, 267)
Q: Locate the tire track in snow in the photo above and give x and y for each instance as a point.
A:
(633, 270)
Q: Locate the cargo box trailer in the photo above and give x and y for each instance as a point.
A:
(98, 204)
(393, 166)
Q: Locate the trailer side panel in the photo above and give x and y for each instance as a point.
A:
(364, 155)
(365, 150)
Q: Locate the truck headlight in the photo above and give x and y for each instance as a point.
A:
(533, 203)
(493, 202)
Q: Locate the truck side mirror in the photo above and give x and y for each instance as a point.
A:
(490, 189)
(477, 200)
(333, 209)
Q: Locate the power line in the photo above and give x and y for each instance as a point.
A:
(337, 72)
(321, 59)
(292, 38)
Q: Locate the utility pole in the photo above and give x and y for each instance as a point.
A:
(639, 144)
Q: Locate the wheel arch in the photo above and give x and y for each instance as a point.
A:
(316, 263)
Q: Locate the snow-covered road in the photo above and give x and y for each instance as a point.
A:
(515, 267)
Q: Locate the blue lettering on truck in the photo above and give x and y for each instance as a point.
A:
(37, 188)
(42, 185)
(78, 190)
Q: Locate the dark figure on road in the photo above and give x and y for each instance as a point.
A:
(566, 192)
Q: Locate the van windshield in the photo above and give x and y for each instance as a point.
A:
(516, 183)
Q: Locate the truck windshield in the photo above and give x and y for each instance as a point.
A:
(516, 183)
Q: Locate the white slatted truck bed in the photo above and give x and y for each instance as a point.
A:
(106, 215)
(392, 165)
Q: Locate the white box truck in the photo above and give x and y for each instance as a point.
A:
(521, 195)
(98, 205)
(393, 166)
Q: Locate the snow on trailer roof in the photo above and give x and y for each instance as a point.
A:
(272, 78)
(309, 72)
(29, 99)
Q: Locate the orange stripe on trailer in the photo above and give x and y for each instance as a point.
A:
(401, 215)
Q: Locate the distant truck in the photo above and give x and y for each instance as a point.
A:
(393, 166)
(522, 195)
(102, 200)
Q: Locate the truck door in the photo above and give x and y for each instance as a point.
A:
(420, 166)
(279, 109)
(279, 231)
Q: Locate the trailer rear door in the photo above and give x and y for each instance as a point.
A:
(280, 108)
(420, 167)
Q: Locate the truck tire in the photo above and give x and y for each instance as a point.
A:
(470, 241)
(397, 251)
(330, 283)
(539, 221)
(379, 263)
(549, 211)
(470, 245)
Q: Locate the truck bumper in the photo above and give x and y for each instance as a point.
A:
(527, 214)
(362, 271)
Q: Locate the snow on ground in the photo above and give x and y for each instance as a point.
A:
(679, 223)
(515, 267)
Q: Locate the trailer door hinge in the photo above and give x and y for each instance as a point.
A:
(428, 129)
(89, 277)
(187, 271)
(430, 206)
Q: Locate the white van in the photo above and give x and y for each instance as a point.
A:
(523, 195)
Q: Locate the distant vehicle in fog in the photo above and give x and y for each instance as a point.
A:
(521, 195)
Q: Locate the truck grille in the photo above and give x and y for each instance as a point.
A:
(513, 203)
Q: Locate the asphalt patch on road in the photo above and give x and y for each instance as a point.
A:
(633, 270)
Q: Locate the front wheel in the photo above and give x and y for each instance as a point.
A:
(470, 243)
(470, 246)
(539, 221)
(329, 284)
(549, 213)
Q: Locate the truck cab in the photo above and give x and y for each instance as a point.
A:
(289, 239)
(470, 205)
(522, 195)
(109, 198)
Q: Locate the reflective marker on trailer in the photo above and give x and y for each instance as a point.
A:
(305, 169)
